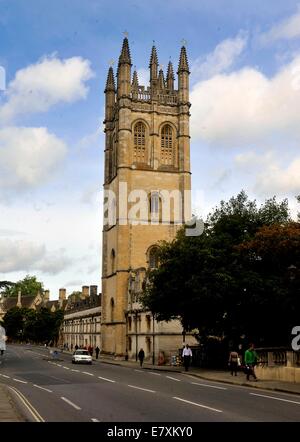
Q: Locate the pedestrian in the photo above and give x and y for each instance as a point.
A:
(251, 358)
(233, 362)
(76, 347)
(141, 356)
(97, 350)
(187, 356)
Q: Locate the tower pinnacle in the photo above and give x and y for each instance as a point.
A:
(183, 61)
(110, 82)
(170, 77)
(125, 53)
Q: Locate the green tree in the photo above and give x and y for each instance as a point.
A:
(13, 323)
(29, 286)
(30, 325)
(204, 281)
(273, 256)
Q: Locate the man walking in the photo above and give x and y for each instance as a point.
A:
(251, 358)
(141, 356)
(97, 350)
(187, 356)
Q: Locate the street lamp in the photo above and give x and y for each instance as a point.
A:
(153, 332)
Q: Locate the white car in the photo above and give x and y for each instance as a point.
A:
(81, 356)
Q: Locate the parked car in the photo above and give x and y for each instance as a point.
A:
(81, 356)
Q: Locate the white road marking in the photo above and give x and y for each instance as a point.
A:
(85, 372)
(70, 403)
(210, 386)
(140, 388)
(59, 365)
(173, 379)
(275, 398)
(94, 419)
(140, 371)
(28, 405)
(18, 380)
(66, 368)
(4, 375)
(197, 405)
(77, 371)
(42, 388)
(105, 379)
(156, 374)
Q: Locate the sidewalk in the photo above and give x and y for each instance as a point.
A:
(8, 410)
(213, 375)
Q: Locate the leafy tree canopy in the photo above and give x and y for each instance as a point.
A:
(40, 326)
(220, 282)
(29, 286)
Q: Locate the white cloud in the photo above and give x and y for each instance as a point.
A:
(286, 30)
(271, 177)
(221, 59)
(40, 86)
(278, 180)
(19, 255)
(23, 255)
(54, 262)
(28, 157)
(10, 232)
(247, 107)
(143, 77)
(76, 282)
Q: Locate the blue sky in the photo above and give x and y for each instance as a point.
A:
(245, 94)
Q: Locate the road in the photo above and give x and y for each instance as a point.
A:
(61, 392)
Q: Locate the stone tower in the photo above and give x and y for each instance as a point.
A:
(146, 188)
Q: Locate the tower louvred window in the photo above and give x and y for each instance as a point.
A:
(139, 143)
(167, 151)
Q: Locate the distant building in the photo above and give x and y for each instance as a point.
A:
(34, 302)
(82, 319)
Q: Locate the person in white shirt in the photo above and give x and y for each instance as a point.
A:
(187, 356)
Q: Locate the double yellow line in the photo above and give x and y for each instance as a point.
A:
(37, 417)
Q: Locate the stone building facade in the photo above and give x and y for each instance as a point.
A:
(82, 319)
(34, 302)
(147, 184)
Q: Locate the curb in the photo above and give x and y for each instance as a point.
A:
(17, 414)
(244, 384)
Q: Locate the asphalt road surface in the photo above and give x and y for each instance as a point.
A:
(58, 391)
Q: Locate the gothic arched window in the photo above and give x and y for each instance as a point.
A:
(153, 257)
(167, 146)
(139, 151)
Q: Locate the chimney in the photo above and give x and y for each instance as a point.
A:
(19, 303)
(93, 290)
(62, 294)
(85, 292)
(46, 295)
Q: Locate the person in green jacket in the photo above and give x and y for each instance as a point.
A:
(251, 358)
